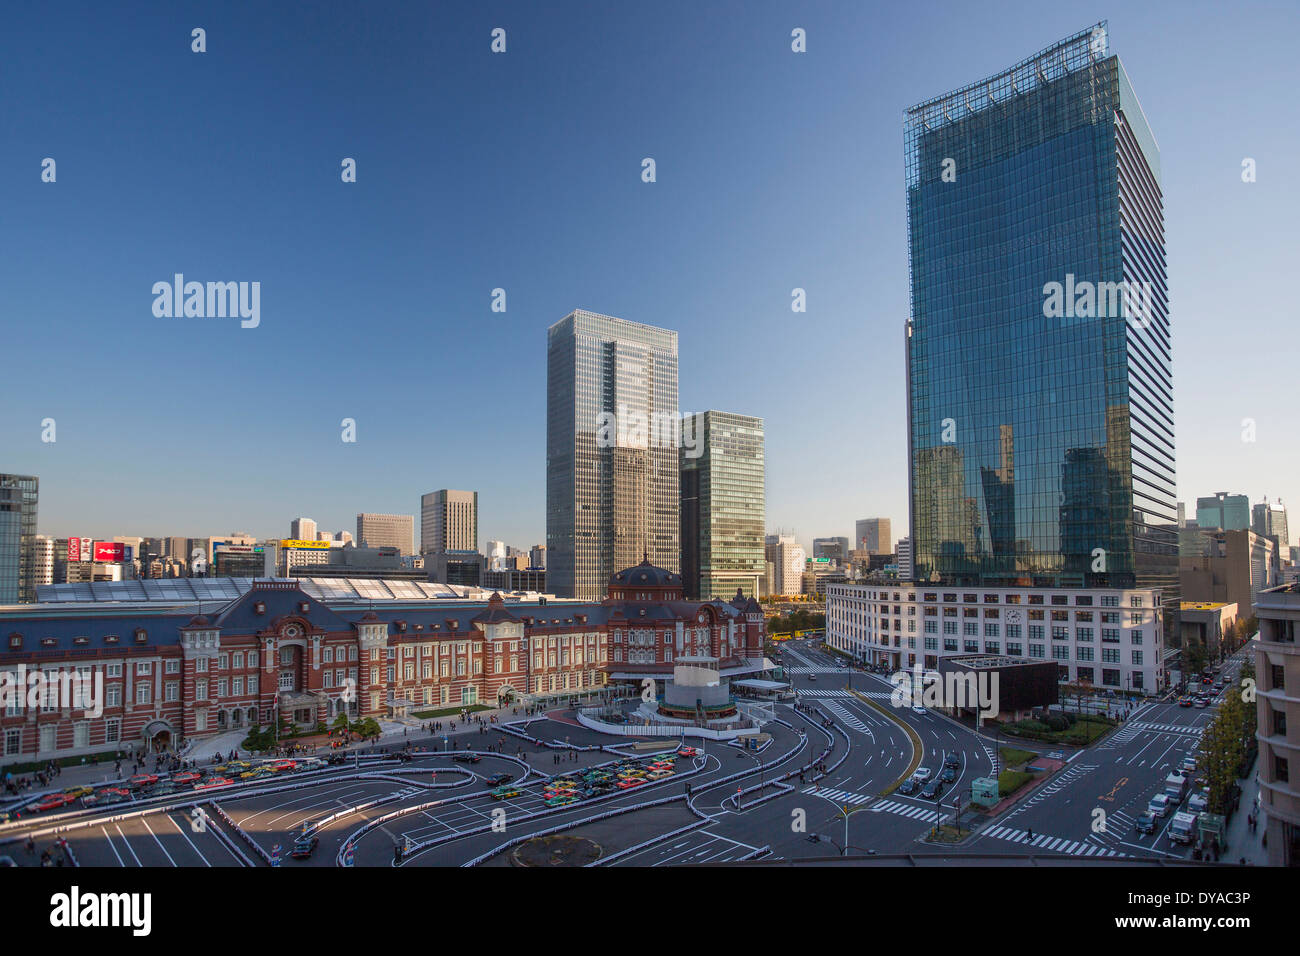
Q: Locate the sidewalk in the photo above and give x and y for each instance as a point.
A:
(1241, 842)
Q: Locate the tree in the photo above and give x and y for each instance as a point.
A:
(1194, 658)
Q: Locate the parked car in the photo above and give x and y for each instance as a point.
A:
(52, 802)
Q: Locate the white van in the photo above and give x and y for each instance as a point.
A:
(1158, 806)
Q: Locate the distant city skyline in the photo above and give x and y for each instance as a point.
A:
(799, 189)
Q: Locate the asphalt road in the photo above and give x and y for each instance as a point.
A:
(867, 753)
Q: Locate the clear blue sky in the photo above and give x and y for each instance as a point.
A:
(522, 171)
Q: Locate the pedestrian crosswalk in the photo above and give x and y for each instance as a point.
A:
(909, 810)
(1133, 728)
(873, 694)
(815, 670)
(845, 717)
(839, 796)
(1051, 844)
(1166, 728)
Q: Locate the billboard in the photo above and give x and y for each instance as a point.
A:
(109, 551)
(81, 549)
(297, 543)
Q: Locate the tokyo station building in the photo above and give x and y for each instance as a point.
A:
(197, 657)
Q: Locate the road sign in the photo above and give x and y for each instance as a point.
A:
(349, 855)
(275, 855)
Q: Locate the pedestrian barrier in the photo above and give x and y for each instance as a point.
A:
(228, 843)
(229, 821)
(604, 860)
(572, 824)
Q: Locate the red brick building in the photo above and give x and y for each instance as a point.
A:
(171, 673)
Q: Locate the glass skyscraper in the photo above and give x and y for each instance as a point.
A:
(612, 433)
(723, 505)
(18, 558)
(1040, 388)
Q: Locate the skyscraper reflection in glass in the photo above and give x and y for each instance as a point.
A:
(1040, 387)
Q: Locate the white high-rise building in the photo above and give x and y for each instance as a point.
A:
(903, 554)
(788, 559)
(302, 529)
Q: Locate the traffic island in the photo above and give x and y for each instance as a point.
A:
(556, 850)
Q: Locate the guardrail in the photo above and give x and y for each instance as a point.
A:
(523, 814)
(572, 824)
(240, 832)
(14, 831)
(651, 842)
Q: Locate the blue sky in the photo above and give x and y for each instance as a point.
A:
(522, 171)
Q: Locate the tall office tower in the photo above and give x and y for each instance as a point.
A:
(537, 557)
(723, 505)
(386, 531)
(1269, 520)
(448, 521)
(302, 529)
(611, 451)
(18, 496)
(833, 549)
(343, 536)
(1224, 511)
(1040, 389)
(874, 536)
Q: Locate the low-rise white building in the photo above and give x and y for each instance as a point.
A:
(1107, 637)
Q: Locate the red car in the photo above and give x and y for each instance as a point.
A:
(687, 752)
(214, 782)
(284, 765)
(185, 778)
(143, 780)
(629, 783)
(53, 802)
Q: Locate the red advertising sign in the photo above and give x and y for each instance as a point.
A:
(109, 551)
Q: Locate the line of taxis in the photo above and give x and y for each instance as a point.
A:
(145, 785)
(566, 788)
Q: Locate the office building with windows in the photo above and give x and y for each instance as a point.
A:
(448, 521)
(18, 552)
(1040, 384)
(722, 505)
(1223, 511)
(386, 531)
(872, 535)
(612, 436)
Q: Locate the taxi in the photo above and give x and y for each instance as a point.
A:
(505, 793)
